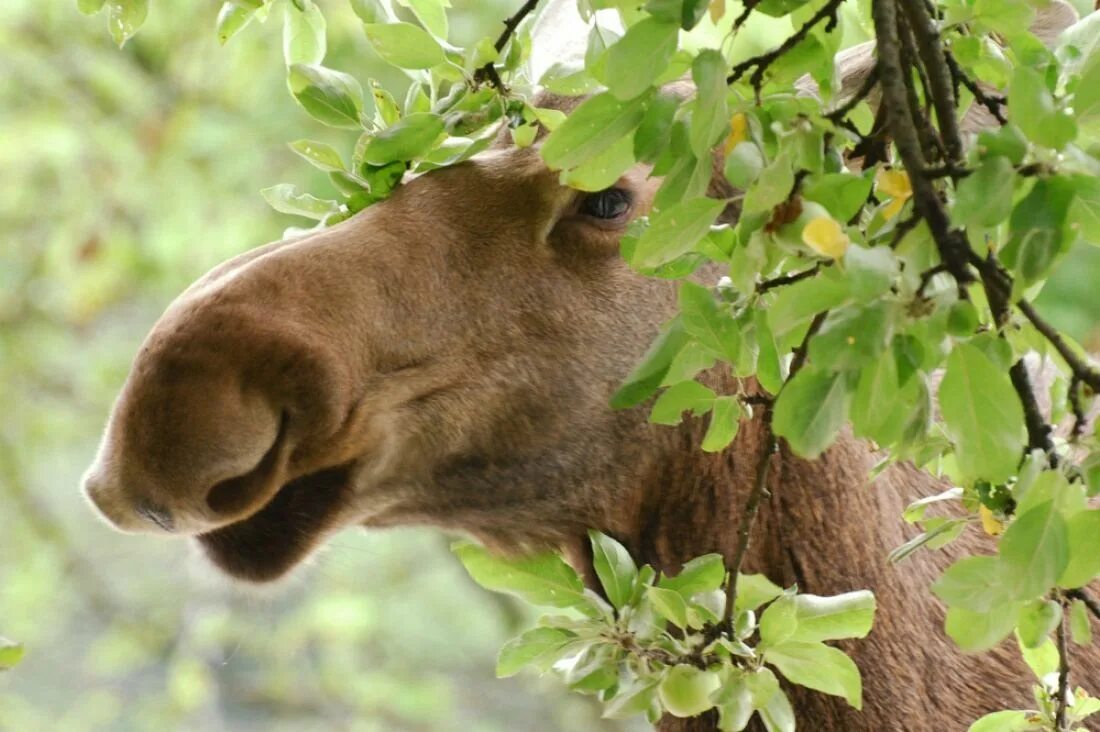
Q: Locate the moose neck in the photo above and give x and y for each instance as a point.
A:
(691, 503)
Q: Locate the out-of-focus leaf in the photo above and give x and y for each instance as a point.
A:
(404, 45)
(304, 39)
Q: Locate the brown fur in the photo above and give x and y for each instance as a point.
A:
(446, 357)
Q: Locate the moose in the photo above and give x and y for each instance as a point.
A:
(446, 357)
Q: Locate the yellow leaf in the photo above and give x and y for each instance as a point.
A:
(739, 129)
(992, 525)
(825, 236)
(717, 10)
(893, 208)
(893, 183)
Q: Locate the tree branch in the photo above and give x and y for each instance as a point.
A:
(993, 102)
(938, 76)
(488, 72)
(1090, 602)
(952, 245)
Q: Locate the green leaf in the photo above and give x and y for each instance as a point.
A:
(91, 7)
(285, 198)
(984, 198)
(1083, 547)
(1084, 213)
(404, 45)
(371, 11)
(614, 567)
(849, 615)
(685, 690)
(654, 131)
(670, 605)
(772, 187)
(713, 328)
(796, 304)
(871, 271)
(303, 33)
(973, 631)
(1032, 108)
(635, 699)
(1006, 721)
(982, 414)
(1042, 660)
(679, 398)
(639, 57)
(318, 154)
(538, 647)
(701, 574)
(125, 17)
(743, 164)
(850, 338)
(1037, 229)
(709, 113)
(592, 128)
(1080, 627)
(811, 409)
(331, 97)
(973, 583)
(753, 590)
(778, 622)
(647, 375)
(675, 231)
(540, 579)
(842, 194)
(877, 408)
(725, 418)
(432, 13)
(603, 170)
(779, 8)
(1035, 550)
(412, 137)
(231, 19)
(385, 105)
(1037, 621)
(11, 653)
(819, 667)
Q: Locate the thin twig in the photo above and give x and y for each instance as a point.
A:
(993, 102)
(488, 72)
(760, 485)
(760, 63)
(926, 277)
(1081, 370)
(788, 279)
(1060, 703)
(853, 101)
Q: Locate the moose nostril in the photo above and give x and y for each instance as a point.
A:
(159, 516)
(238, 495)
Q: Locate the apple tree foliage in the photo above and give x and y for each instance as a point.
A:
(883, 238)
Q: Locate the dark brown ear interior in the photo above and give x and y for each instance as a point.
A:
(269, 543)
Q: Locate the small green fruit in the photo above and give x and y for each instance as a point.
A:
(685, 690)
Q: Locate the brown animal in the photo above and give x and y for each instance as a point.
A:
(446, 358)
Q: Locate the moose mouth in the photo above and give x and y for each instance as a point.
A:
(270, 542)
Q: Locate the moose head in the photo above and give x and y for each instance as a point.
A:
(444, 357)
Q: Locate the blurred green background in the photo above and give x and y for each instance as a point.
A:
(125, 175)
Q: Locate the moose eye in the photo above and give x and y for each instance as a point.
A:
(608, 204)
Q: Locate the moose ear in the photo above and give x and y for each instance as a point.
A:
(560, 36)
